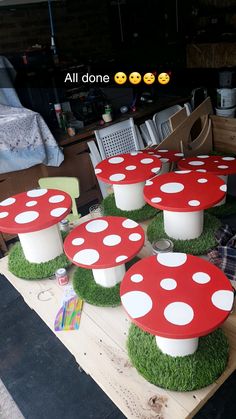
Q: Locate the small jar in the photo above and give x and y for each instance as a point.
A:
(162, 246)
(61, 276)
(64, 225)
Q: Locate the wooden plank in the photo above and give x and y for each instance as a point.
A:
(224, 133)
(176, 119)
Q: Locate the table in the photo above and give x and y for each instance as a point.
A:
(183, 195)
(216, 165)
(178, 298)
(99, 346)
(128, 173)
(105, 245)
(34, 216)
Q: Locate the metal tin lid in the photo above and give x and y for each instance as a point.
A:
(61, 271)
(162, 245)
(65, 221)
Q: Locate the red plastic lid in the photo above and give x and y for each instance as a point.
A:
(104, 242)
(216, 165)
(33, 210)
(129, 168)
(176, 295)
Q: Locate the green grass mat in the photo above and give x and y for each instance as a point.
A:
(19, 266)
(186, 373)
(197, 246)
(223, 210)
(138, 215)
(88, 290)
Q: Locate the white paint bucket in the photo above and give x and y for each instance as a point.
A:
(226, 113)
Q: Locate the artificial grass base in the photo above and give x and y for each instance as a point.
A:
(88, 290)
(197, 246)
(186, 373)
(22, 268)
(223, 210)
(142, 214)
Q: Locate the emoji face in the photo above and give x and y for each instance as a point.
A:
(148, 78)
(120, 77)
(135, 78)
(163, 78)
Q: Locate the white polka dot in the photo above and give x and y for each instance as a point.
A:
(120, 258)
(149, 183)
(117, 177)
(146, 161)
(162, 151)
(155, 169)
(36, 192)
(168, 284)
(150, 152)
(96, 226)
(137, 303)
(179, 154)
(78, 241)
(135, 237)
(136, 278)
(26, 217)
(134, 153)
(172, 259)
(86, 257)
(8, 201)
(223, 188)
(182, 172)
(57, 212)
(131, 167)
(201, 170)
(56, 198)
(116, 160)
(4, 214)
(112, 240)
(156, 199)
(216, 161)
(222, 166)
(201, 277)
(129, 223)
(202, 180)
(164, 160)
(196, 163)
(172, 187)
(179, 313)
(205, 156)
(228, 158)
(97, 171)
(223, 299)
(194, 203)
(31, 203)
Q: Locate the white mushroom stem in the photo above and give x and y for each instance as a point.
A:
(183, 225)
(129, 197)
(43, 245)
(225, 179)
(109, 277)
(177, 347)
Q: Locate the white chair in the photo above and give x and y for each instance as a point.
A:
(145, 134)
(95, 157)
(161, 121)
(152, 132)
(117, 138)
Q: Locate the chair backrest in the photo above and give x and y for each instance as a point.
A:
(152, 132)
(139, 137)
(161, 121)
(65, 184)
(145, 134)
(117, 138)
(95, 158)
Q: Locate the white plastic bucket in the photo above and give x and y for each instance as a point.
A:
(227, 113)
(226, 98)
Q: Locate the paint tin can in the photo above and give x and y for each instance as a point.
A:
(64, 225)
(61, 276)
(162, 246)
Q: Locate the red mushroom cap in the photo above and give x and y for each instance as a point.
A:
(184, 191)
(129, 168)
(216, 165)
(177, 296)
(165, 155)
(33, 210)
(104, 242)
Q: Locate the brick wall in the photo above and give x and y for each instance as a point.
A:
(81, 28)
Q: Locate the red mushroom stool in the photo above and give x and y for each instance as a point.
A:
(168, 157)
(34, 216)
(104, 245)
(183, 195)
(216, 165)
(176, 297)
(128, 173)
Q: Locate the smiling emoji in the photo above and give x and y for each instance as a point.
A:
(163, 78)
(120, 77)
(135, 78)
(148, 78)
